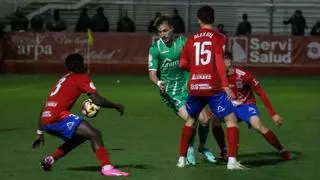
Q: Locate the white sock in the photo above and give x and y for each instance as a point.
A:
(190, 149)
(282, 150)
(107, 167)
(182, 158)
(232, 160)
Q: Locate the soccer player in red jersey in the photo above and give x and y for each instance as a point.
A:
(208, 84)
(244, 85)
(57, 120)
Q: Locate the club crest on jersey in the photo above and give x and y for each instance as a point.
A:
(92, 85)
(70, 125)
(239, 84)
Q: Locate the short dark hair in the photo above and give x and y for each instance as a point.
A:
(74, 63)
(228, 55)
(245, 16)
(206, 14)
(163, 19)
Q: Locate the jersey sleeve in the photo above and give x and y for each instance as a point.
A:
(184, 59)
(86, 85)
(153, 61)
(218, 53)
(255, 86)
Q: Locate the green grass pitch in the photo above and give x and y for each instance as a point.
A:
(145, 141)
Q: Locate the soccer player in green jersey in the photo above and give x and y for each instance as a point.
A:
(164, 71)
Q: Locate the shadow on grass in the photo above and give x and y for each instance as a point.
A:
(97, 168)
(116, 149)
(9, 129)
(265, 158)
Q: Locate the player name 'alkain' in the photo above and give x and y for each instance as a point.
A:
(201, 76)
(203, 34)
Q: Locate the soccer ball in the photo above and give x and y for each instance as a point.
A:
(89, 109)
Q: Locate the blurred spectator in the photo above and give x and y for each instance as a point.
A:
(56, 24)
(315, 31)
(178, 23)
(1, 46)
(19, 21)
(220, 28)
(37, 23)
(125, 24)
(244, 27)
(84, 21)
(298, 23)
(1, 30)
(151, 27)
(100, 22)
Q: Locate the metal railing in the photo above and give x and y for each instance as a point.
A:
(266, 16)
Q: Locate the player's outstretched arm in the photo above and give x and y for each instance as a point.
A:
(278, 120)
(39, 138)
(103, 102)
(263, 96)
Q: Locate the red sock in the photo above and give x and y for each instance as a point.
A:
(61, 151)
(219, 136)
(185, 139)
(272, 139)
(102, 156)
(233, 141)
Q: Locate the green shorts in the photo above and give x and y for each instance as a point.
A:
(175, 102)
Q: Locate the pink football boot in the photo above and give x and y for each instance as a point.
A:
(109, 170)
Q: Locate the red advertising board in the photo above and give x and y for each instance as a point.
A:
(275, 50)
(53, 47)
(120, 52)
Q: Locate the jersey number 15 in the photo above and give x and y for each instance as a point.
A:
(203, 52)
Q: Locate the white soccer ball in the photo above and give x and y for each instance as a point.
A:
(89, 109)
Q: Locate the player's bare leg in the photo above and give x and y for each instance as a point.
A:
(47, 162)
(186, 136)
(270, 137)
(94, 135)
(233, 141)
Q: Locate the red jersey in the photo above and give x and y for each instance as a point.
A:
(244, 84)
(64, 94)
(203, 57)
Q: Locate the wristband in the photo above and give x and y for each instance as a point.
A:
(39, 132)
(159, 83)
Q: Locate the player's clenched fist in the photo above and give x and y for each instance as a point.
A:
(277, 119)
(120, 108)
(39, 140)
(162, 86)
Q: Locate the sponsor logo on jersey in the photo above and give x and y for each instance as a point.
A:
(201, 76)
(51, 104)
(221, 109)
(168, 63)
(200, 86)
(46, 114)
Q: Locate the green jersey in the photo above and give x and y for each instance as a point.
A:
(165, 60)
